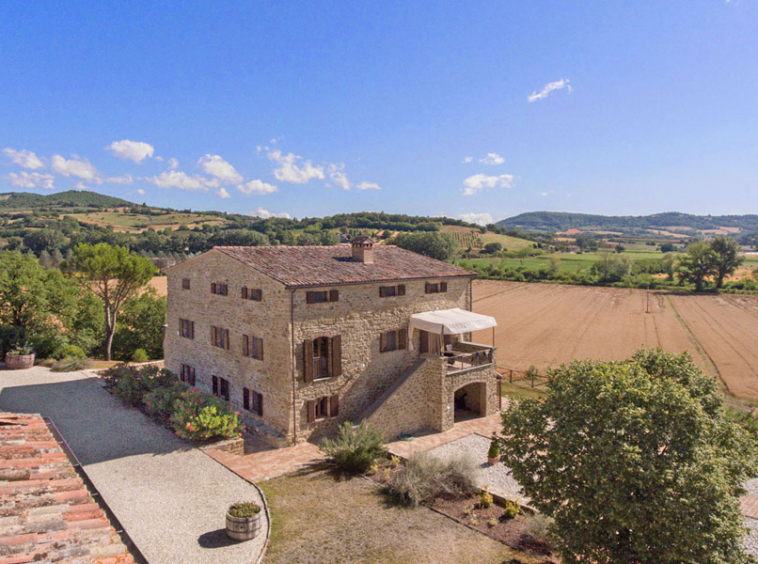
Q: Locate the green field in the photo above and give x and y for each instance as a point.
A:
(567, 262)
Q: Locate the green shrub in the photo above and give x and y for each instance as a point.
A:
(160, 402)
(197, 416)
(425, 477)
(512, 509)
(356, 448)
(70, 364)
(132, 384)
(68, 351)
(115, 374)
(485, 499)
(494, 450)
(140, 355)
(246, 509)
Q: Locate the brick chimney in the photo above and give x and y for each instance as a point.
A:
(363, 249)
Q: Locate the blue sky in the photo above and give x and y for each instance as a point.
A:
(315, 108)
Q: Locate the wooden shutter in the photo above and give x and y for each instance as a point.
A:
(443, 286)
(213, 287)
(401, 289)
(336, 364)
(311, 406)
(260, 349)
(308, 361)
(245, 345)
(382, 291)
(310, 297)
(427, 287)
(334, 295)
(226, 339)
(246, 398)
(260, 403)
(402, 339)
(244, 292)
(192, 329)
(213, 336)
(424, 342)
(334, 405)
(382, 342)
(215, 385)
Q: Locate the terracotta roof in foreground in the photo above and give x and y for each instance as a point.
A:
(47, 512)
(296, 266)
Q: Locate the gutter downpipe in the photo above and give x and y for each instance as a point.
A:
(293, 363)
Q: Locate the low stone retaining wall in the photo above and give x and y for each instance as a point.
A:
(233, 446)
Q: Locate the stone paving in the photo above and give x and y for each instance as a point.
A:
(267, 464)
(170, 497)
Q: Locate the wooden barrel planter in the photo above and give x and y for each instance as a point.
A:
(244, 521)
(19, 361)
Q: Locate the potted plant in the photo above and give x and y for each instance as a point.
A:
(493, 454)
(19, 358)
(244, 521)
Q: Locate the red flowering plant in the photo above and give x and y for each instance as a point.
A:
(197, 416)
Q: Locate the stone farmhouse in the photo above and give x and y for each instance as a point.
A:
(301, 338)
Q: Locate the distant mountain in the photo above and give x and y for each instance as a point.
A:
(670, 221)
(71, 198)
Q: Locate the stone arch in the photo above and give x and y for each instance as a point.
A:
(470, 400)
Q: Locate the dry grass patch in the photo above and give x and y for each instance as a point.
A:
(316, 518)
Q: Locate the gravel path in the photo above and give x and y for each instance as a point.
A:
(498, 477)
(752, 486)
(751, 539)
(169, 497)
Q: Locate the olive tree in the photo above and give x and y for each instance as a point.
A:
(636, 461)
(113, 274)
(697, 264)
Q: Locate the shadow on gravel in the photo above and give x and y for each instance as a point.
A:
(96, 425)
(215, 539)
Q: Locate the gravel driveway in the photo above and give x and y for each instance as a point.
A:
(169, 497)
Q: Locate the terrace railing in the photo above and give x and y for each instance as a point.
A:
(458, 361)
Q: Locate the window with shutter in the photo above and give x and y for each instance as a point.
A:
(244, 292)
(213, 287)
(443, 287)
(308, 361)
(185, 283)
(334, 295)
(401, 289)
(310, 407)
(224, 388)
(336, 356)
(215, 385)
(246, 398)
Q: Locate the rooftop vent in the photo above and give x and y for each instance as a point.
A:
(363, 249)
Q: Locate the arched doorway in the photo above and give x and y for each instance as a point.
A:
(470, 401)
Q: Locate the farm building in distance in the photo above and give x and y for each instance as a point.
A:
(300, 338)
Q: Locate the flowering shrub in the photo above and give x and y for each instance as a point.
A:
(197, 416)
(160, 402)
(132, 384)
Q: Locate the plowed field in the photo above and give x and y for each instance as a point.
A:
(547, 325)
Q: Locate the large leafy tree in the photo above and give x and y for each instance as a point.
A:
(697, 264)
(726, 258)
(636, 461)
(440, 246)
(115, 275)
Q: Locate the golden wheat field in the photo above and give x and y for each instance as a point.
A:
(547, 325)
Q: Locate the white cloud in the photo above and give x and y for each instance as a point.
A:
(294, 169)
(223, 194)
(544, 194)
(76, 166)
(476, 218)
(257, 187)
(81, 186)
(548, 88)
(337, 175)
(467, 160)
(474, 184)
(492, 159)
(24, 158)
(173, 164)
(265, 214)
(31, 180)
(217, 167)
(138, 192)
(123, 179)
(180, 180)
(368, 186)
(136, 151)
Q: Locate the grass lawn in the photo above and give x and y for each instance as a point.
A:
(515, 391)
(317, 518)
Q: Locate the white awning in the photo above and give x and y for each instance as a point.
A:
(451, 321)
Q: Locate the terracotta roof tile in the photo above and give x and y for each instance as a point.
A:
(298, 267)
(47, 512)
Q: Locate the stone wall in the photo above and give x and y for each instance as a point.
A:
(360, 316)
(269, 319)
